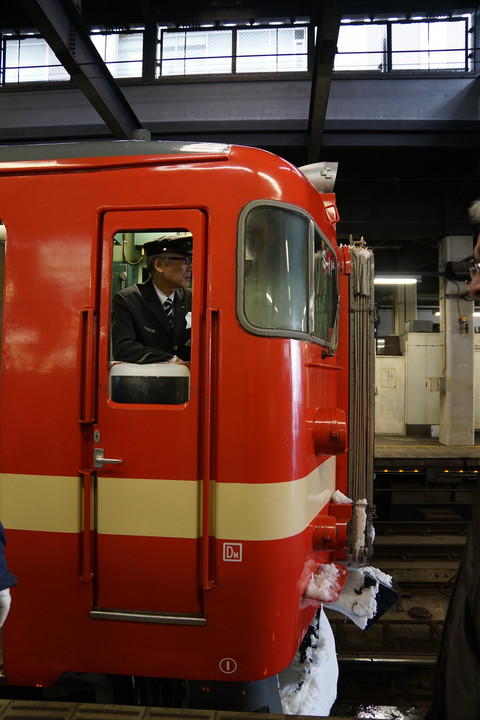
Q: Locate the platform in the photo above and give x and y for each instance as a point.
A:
(45, 710)
(425, 450)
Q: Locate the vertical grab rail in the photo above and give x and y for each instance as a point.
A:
(87, 390)
(86, 571)
(87, 418)
(208, 419)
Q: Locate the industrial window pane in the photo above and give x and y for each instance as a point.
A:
(196, 52)
(173, 53)
(271, 50)
(292, 49)
(256, 49)
(361, 47)
(31, 59)
(209, 52)
(122, 52)
(429, 46)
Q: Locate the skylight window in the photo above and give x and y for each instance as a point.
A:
(273, 48)
(405, 45)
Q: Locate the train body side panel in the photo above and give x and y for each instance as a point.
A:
(238, 491)
(43, 639)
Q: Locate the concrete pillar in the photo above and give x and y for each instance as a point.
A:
(404, 309)
(457, 407)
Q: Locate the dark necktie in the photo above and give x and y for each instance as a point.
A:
(168, 307)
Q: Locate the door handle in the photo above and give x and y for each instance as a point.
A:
(99, 460)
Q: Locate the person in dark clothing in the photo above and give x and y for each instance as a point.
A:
(7, 580)
(151, 320)
(456, 693)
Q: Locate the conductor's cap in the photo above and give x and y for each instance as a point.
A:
(169, 244)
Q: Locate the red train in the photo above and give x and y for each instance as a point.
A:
(169, 537)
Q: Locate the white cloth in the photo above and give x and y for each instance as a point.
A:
(5, 602)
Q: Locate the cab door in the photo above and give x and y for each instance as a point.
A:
(148, 486)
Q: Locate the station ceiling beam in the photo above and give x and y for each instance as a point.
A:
(63, 28)
(326, 18)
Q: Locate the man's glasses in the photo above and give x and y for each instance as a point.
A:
(186, 259)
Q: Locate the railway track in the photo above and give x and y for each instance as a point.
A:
(387, 670)
(424, 567)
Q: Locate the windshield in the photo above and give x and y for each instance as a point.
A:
(287, 274)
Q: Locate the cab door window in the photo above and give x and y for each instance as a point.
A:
(144, 367)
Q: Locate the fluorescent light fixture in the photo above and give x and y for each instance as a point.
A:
(395, 280)
(476, 313)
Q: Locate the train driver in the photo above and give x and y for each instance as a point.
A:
(151, 320)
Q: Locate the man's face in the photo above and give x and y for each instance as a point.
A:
(475, 281)
(174, 272)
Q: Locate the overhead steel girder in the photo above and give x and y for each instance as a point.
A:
(327, 17)
(63, 28)
(149, 39)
